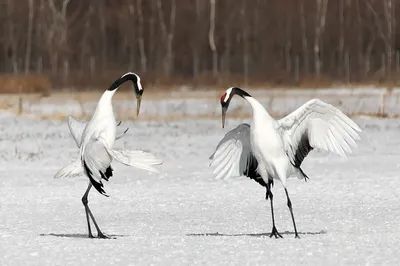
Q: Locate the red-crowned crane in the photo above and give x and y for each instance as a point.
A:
(271, 149)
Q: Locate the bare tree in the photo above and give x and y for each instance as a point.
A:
(341, 38)
(211, 38)
(57, 32)
(360, 36)
(304, 40)
(103, 33)
(11, 43)
(185, 38)
(168, 34)
(196, 39)
(143, 58)
(288, 43)
(152, 54)
(319, 29)
(386, 32)
(85, 41)
(29, 37)
(245, 36)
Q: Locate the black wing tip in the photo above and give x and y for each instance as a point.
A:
(97, 185)
(259, 180)
(251, 170)
(107, 174)
(304, 174)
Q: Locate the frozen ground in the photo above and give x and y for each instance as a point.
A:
(347, 214)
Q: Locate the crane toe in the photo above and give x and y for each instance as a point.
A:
(101, 235)
(275, 233)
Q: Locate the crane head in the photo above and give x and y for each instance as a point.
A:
(225, 100)
(137, 86)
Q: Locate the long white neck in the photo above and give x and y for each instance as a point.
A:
(258, 109)
(104, 106)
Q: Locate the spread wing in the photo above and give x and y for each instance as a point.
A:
(233, 156)
(76, 128)
(96, 161)
(317, 124)
(137, 158)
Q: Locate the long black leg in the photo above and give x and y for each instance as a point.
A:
(289, 204)
(85, 204)
(269, 195)
(89, 213)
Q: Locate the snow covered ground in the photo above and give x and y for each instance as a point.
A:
(347, 214)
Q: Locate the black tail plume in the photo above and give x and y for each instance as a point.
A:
(97, 185)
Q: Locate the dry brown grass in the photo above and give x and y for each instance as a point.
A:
(25, 84)
(157, 85)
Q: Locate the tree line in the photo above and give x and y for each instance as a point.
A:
(275, 41)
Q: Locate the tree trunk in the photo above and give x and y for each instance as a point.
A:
(360, 38)
(304, 41)
(168, 35)
(341, 39)
(11, 47)
(389, 15)
(195, 43)
(29, 38)
(143, 58)
(246, 57)
(103, 31)
(319, 28)
(211, 38)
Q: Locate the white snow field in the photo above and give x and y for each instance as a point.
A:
(347, 213)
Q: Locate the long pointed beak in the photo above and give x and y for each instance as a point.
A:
(223, 116)
(139, 99)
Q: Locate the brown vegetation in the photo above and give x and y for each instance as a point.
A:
(25, 84)
(87, 44)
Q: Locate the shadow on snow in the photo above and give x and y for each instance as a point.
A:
(81, 236)
(322, 232)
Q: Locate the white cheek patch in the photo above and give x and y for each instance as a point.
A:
(139, 86)
(228, 94)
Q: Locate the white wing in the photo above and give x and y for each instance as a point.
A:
(139, 159)
(226, 159)
(96, 161)
(71, 170)
(233, 156)
(76, 128)
(317, 125)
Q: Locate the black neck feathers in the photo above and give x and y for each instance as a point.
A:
(235, 90)
(239, 92)
(128, 76)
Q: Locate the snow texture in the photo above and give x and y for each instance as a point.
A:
(347, 213)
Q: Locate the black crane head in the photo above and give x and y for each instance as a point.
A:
(137, 86)
(226, 99)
